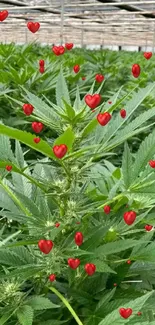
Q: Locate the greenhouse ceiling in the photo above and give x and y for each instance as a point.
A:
(93, 22)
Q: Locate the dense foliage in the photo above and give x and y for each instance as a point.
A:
(101, 184)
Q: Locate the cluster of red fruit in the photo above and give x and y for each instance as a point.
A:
(127, 312)
(46, 246)
(136, 67)
(129, 217)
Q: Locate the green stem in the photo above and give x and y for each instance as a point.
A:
(66, 303)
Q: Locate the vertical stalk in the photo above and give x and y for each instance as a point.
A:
(67, 304)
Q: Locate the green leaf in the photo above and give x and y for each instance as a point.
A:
(104, 300)
(69, 110)
(67, 138)
(127, 166)
(40, 303)
(96, 235)
(25, 315)
(6, 317)
(115, 247)
(62, 90)
(27, 138)
(136, 305)
(144, 154)
(77, 103)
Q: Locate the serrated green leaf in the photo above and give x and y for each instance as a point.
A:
(62, 90)
(25, 315)
(115, 247)
(27, 138)
(40, 303)
(127, 164)
(136, 305)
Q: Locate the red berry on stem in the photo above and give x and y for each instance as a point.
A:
(33, 27)
(60, 150)
(129, 217)
(128, 262)
(37, 127)
(45, 246)
(107, 209)
(83, 78)
(36, 140)
(58, 50)
(28, 109)
(125, 312)
(8, 168)
(73, 263)
(57, 224)
(90, 268)
(3, 15)
(139, 313)
(52, 277)
(41, 69)
(76, 68)
(109, 102)
(152, 163)
(148, 227)
(147, 55)
(136, 70)
(92, 100)
(69, 46)
(115, 284)
(41, 63)
(103, 118)
(123, 113)
(99, 77)
(78, 238)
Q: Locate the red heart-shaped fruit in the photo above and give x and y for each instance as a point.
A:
(147, 55)
(107, 209)
(60, 150)
(123, 113)
(58, 50)
(136, 70)
(90, 268)
(45, 245)
(36, 140)
(76, 68)
(152, 163)
(37, 127)
(57, 224)
(129, 217)
(99, 77)
(78, 238)
(3, 15)
(125, 312)
(28, 109)
(104, 118)
(8, 168)
(92, 100)
(52, 277)
(42, 69)
(41, 63)
(33, 27)
(73, 263)
(69, 46)
(148, 227)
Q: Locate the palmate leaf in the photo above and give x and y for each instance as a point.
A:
(130, 108)
(136, 305)
(25, 315)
